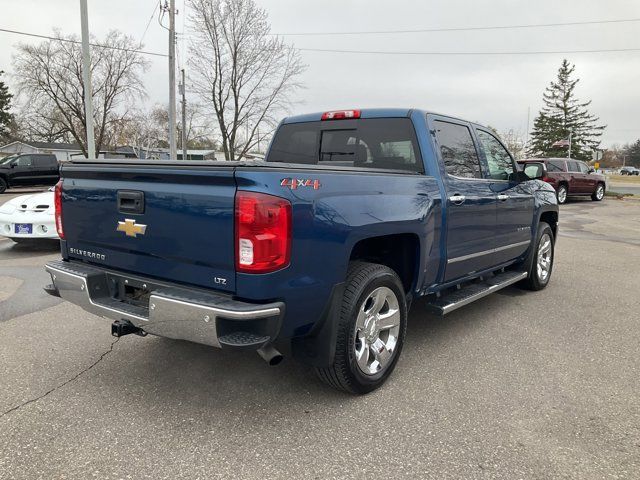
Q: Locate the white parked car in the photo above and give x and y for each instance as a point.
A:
(29, 217)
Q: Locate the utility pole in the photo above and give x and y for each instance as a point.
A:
(526, 138)
(184, 117)
(86, 80)
(173, 154)
(569, 154)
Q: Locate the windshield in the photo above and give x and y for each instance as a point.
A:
(7, 159)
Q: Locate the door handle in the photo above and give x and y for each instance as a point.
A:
(457, 199)
(502, 197)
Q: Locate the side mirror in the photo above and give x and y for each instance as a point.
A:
(592, 170)
(535, 171)
(13, 164)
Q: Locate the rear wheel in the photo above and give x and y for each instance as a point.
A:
(599, 193)
(541, 265)
(371, 329)
(562, 194)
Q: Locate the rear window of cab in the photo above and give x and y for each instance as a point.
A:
(373, 143)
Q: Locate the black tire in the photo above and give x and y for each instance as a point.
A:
(562, 194)
(535, 281)
(3, 185)
(363, 279)
(598, 195)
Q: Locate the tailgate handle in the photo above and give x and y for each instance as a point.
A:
(130, 201)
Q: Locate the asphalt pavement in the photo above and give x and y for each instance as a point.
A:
(518, 385)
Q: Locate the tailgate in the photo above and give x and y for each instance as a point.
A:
(183, 232)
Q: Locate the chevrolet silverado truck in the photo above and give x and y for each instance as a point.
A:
(318, 250)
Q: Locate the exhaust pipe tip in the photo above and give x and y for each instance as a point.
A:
(270, 355)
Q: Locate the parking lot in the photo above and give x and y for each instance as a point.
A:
(518, 385)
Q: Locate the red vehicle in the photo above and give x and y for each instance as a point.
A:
(571, 178)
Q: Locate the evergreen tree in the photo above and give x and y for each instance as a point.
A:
(563, 113)
(633, 154)
(5, 105)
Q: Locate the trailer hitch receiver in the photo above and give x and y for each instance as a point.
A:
(120, 328)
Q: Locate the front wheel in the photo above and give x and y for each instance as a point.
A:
(370, 331)
(598, 194)
(3, 185)
(541, 265)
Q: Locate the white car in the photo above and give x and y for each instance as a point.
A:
(29, 217)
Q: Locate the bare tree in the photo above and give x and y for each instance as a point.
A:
(51, 83)
(515, 143)
(242, 71)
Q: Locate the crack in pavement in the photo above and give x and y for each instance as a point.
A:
(67, 382)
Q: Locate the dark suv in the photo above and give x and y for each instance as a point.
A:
(28, 170)
(629, 171)
(571, 178)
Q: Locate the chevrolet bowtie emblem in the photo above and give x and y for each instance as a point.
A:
(130, 228)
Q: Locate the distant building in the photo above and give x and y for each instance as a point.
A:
(70, 151)
(198, 155)
(62, 151)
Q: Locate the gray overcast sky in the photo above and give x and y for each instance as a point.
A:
(493, 90)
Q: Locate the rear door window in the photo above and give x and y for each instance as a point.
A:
(458, 150)
(44, 160)
(373, 143)
(498, 159)
(555, 166)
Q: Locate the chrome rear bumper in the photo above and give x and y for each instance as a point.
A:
(170, 311)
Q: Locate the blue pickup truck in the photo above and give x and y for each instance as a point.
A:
(318, 251)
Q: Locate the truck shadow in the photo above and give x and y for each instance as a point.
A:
(166, 374)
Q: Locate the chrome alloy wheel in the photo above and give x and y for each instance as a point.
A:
(377, 331)
(544, 257)
(562, 195)
(599, 192)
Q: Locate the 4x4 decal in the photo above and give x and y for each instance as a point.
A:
(294, 183)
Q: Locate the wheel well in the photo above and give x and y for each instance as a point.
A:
(551, 218)
(400, 252)
(565, 183)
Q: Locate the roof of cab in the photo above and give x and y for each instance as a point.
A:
(364, 113)
(374, 113)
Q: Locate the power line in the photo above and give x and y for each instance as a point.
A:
(78, 42)
(153, 14)
(547, 52)
(462, 29)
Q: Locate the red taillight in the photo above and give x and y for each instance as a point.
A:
(57, 202)
(341, 114)
(548, 179)
(263, 232)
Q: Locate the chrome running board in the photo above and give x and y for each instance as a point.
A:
(448, 302)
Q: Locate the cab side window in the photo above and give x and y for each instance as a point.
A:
(498, 159)
(457, 149)
(583, 168)
(24, 161)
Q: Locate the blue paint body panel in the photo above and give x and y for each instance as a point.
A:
(189, 216)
